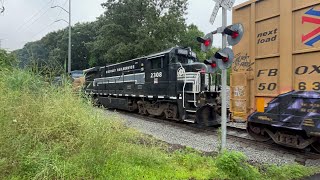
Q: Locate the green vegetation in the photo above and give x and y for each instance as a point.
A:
(7, 60)
(128, 29)
(48, 132)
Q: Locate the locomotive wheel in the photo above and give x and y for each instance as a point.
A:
(257, 133)
(316, 146)
(95, 101)
(171, 112)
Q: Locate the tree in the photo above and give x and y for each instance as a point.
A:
(128, 29)
(188, 38)
(51, 52)
(7, 60)
(133, 28)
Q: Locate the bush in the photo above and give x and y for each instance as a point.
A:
(235, 166)
(289, 172)
(50, 133)
(7, 60)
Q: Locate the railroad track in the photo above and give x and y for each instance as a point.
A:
(235, 133)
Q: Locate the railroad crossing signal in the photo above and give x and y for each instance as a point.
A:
(225, 58)
(206, 42)
(235, 34)
(212, 65)
(227, 4)
(214, 13)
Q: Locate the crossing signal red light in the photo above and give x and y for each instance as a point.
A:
(224, 58)
(206, 42)
(235, 33)
(212, 65)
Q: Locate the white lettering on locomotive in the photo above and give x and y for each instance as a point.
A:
(126, 68)
(156, 75)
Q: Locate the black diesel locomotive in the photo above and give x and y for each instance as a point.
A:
(171, 84)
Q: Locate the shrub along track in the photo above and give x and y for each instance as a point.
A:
(234, 134)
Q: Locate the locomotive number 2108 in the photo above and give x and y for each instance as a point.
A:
(156, 75)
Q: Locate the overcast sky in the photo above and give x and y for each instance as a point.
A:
(29, 20)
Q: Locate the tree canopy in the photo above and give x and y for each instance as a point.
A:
(128, 29)
(132, 28)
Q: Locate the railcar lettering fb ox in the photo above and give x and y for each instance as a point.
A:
(171, 84)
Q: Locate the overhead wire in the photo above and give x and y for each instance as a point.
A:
(48, 26)
(62, 6)
(41, 12)
(2, 8)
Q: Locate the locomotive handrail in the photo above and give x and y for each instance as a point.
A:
(195, 84)
(185, 82)
(197, 89)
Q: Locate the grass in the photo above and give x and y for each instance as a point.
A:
(48, 132)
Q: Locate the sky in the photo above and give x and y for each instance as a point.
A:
(29, 20)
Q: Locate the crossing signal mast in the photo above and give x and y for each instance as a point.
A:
(222, 59)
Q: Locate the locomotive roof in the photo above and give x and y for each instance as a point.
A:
(147, 57)
(160, 53)
(91, 69)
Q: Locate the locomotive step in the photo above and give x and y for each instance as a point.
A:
(191, 101)
(189, 120)
(191, 111)
(191, 92)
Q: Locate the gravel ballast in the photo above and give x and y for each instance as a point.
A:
(206, 141)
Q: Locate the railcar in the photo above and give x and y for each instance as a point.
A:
(172, 84)
(275, 79)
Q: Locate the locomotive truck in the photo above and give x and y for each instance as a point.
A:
(172, 84)
(275, 80)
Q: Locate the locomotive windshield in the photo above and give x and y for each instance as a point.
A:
(185, 59)
(184, 56)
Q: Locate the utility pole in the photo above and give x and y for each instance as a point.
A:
(69, 43)
(69, 48)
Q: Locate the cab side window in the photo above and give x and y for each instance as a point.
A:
(174, 59)
(156, 63)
